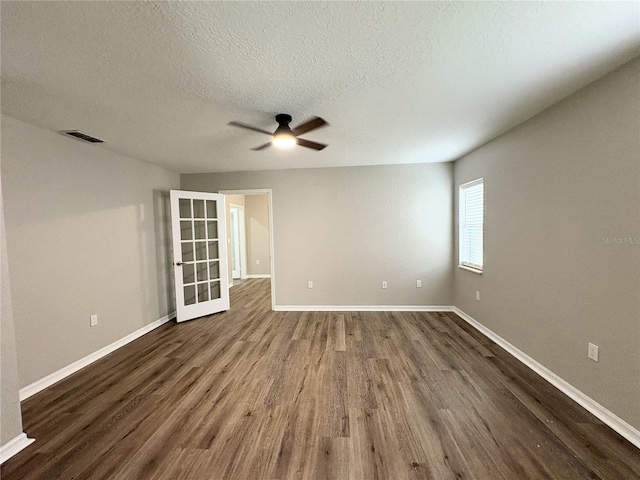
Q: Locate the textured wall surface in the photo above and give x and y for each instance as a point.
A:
(86, 234)
(347, 229)
(562, 255)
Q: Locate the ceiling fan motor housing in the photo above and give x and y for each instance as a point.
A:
(283, 125)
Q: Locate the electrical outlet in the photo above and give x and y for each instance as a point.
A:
(94, 320)
(310, 284)
(257, 262)
(593, 352)
(384, 284)
(418, 283)
(477, 295)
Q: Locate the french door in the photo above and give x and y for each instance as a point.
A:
(199, 253)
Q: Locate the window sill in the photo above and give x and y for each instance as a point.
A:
(470, 269)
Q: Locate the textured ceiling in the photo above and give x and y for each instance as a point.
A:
(399, 82)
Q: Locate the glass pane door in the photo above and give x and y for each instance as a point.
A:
(200, 266)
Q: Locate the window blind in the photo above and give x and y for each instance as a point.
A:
(471, 224)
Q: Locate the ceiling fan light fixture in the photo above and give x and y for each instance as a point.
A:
(284, 140)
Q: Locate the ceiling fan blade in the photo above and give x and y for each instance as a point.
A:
(306, 143)
(262, 147)
(249, 127)
(311, 124)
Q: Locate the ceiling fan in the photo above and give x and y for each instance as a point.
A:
(285, 136)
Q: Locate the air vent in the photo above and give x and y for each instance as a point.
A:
(81, 136)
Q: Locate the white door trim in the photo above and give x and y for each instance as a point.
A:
(268, 192)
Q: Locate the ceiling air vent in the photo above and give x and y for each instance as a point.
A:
(81, 136)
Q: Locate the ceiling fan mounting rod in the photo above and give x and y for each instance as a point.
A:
(283, 118)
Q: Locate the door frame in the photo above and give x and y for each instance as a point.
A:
(268, 193)
(242, 239)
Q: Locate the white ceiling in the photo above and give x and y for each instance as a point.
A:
(399, 82)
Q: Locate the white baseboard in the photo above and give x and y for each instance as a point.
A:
(64, 372)
(14, 446)
(258, 275)
(363, 308)
(612, 420)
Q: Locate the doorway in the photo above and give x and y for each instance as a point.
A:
(253, 226)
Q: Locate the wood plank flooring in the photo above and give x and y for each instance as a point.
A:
(252, 394)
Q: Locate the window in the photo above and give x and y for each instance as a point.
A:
(471, 225)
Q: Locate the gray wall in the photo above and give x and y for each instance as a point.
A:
(556, 188)
(86, 233)
(347, 229)
(256, 217)
(10, 413)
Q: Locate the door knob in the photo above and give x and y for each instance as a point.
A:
(177, 264)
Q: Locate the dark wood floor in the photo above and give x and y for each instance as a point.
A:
(252, 394)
